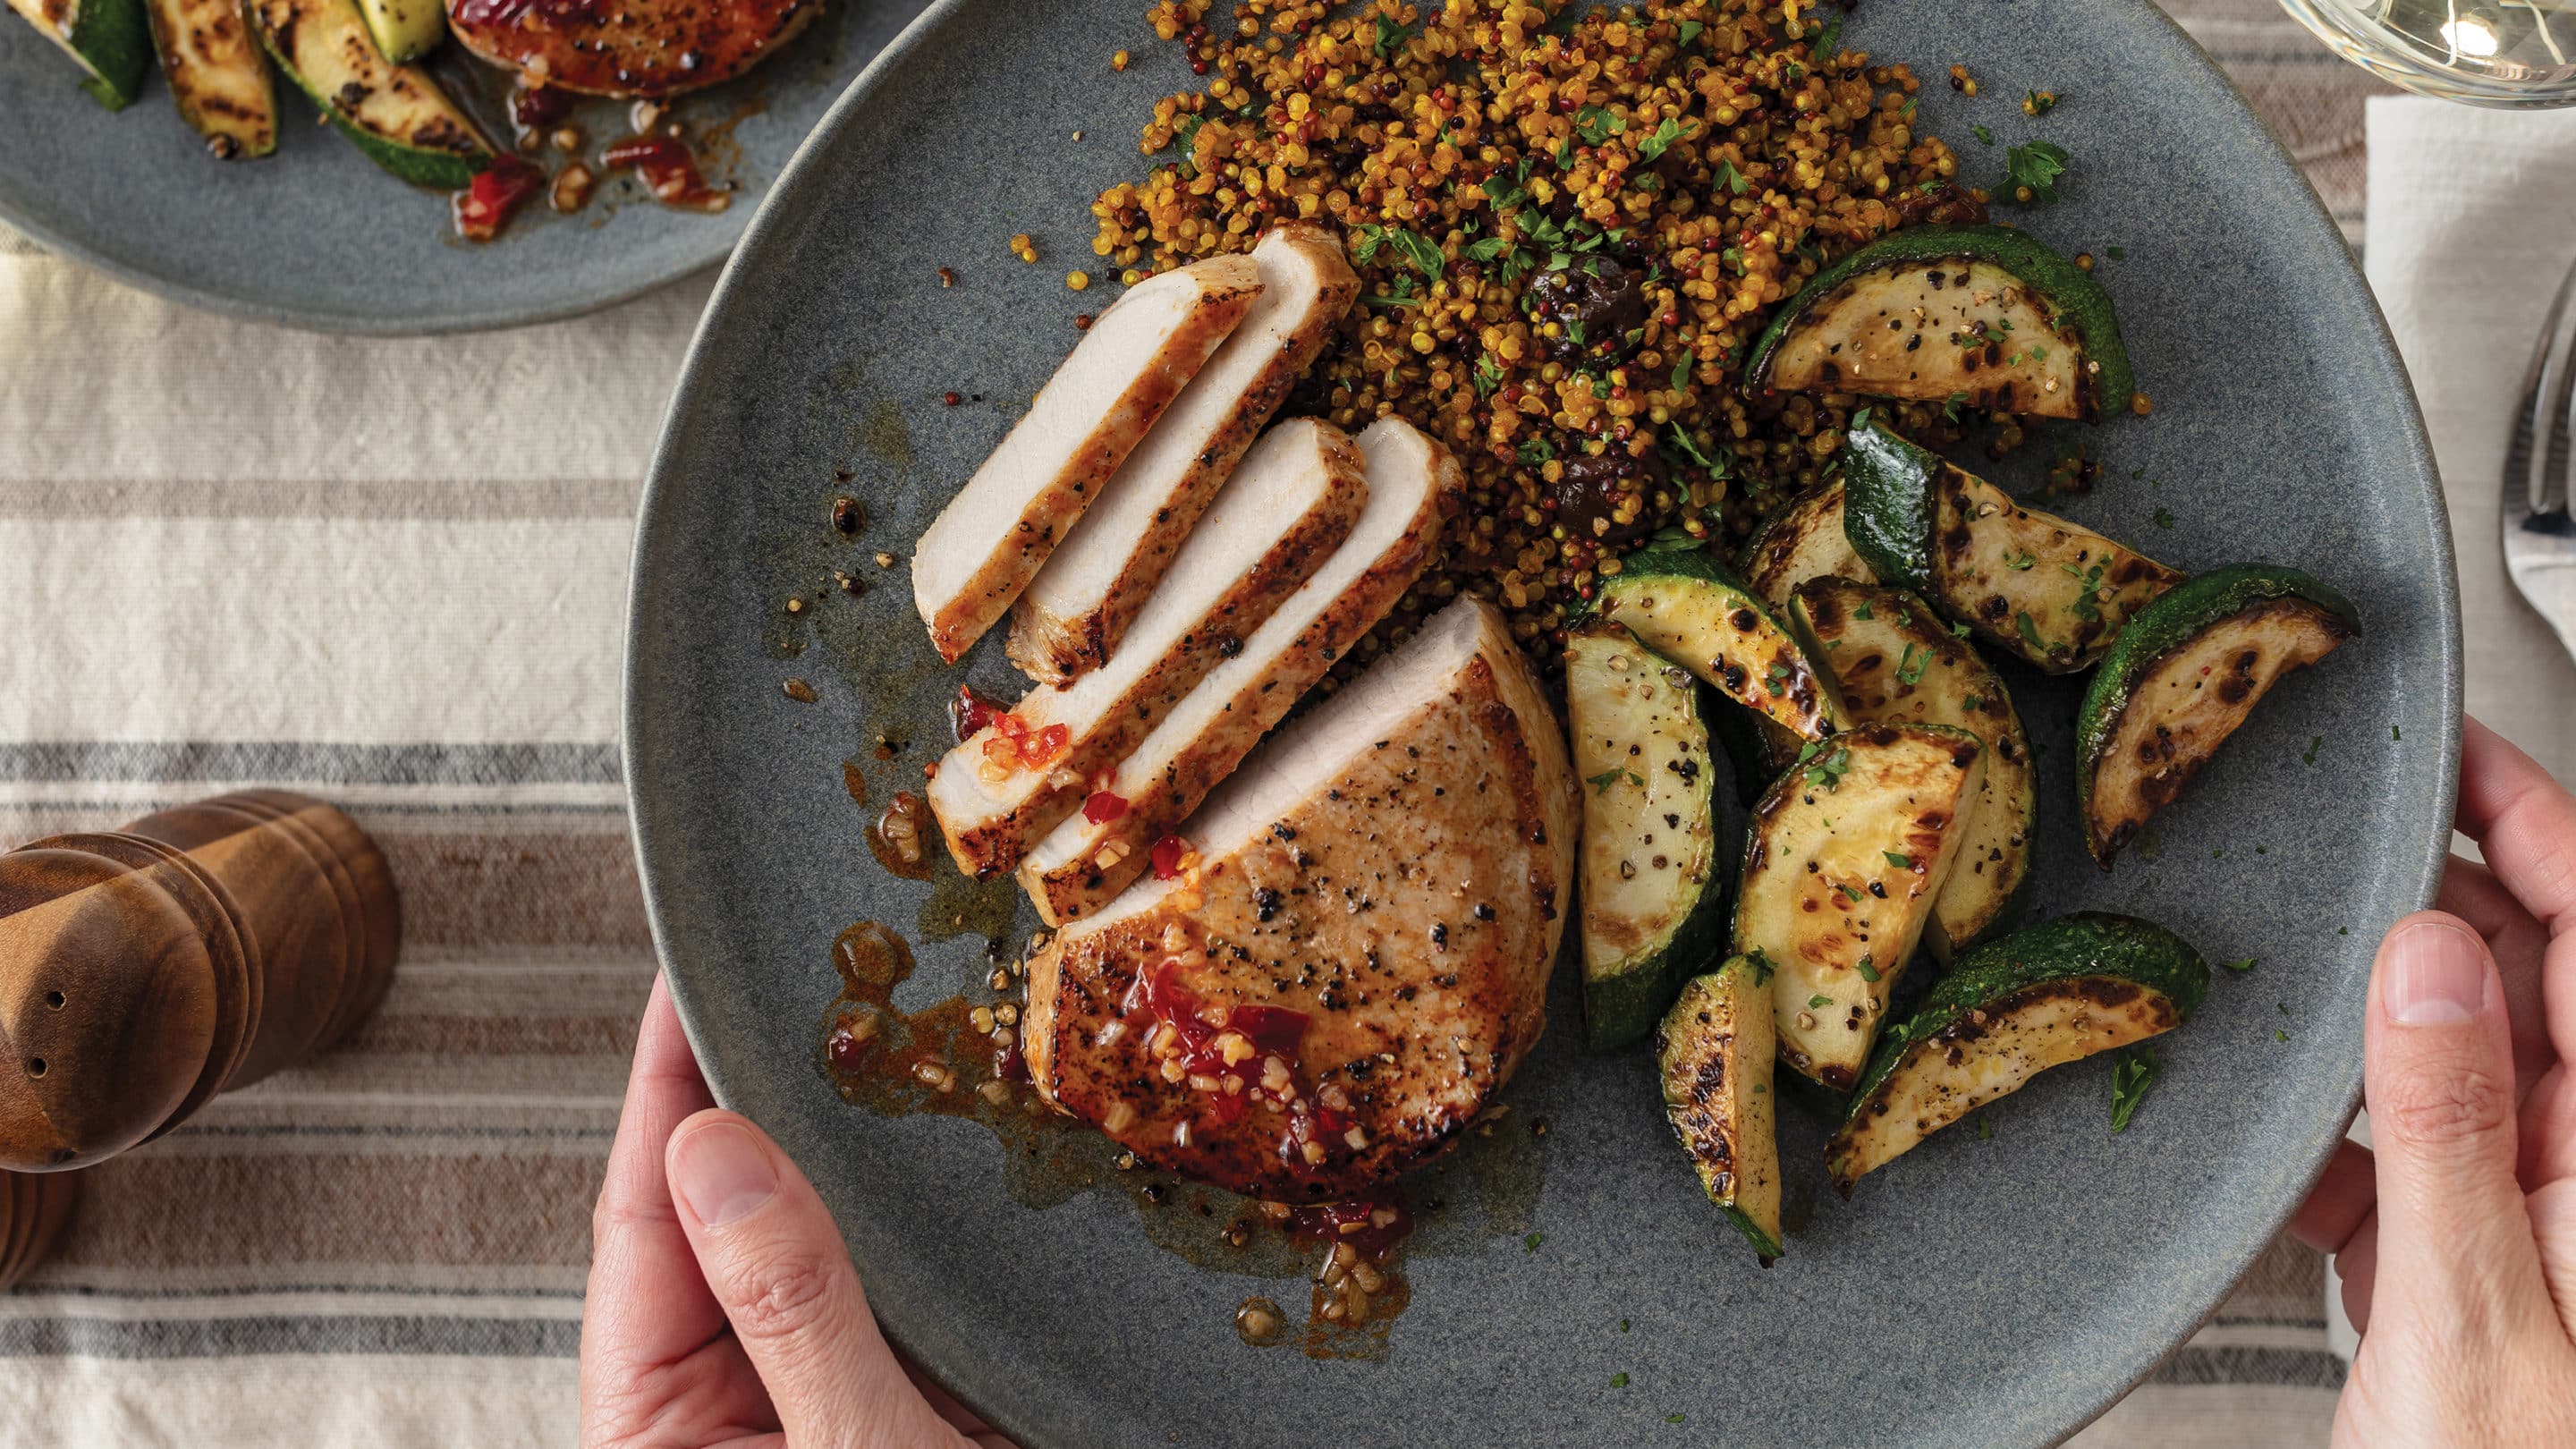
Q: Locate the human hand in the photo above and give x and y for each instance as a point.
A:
(723, 1307)
(2457, 1240)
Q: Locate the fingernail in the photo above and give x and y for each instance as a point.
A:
(2436, 974)
(722, 1172)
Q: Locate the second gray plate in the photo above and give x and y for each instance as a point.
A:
(1984, 1291)
(316, 236)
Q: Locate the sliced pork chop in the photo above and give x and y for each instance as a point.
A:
(1357, 959)
(628, 47)
(990, 540)
(1080, 604)
(1085, 862)
(1273, 524)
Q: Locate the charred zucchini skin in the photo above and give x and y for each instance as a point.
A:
(1801, 698)
(2181, 615)
(1713, 1052)
(112, 42)
(2116, 960)
(1887, 505)
(2087, 943)
(2079, 300)
(1805, 539)
(1622, 1005)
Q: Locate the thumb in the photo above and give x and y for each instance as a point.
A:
(2454, 1236)
(775, 1261)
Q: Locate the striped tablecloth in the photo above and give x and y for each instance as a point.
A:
(391, 573)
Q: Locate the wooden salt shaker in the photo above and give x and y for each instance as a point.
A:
(198, 949)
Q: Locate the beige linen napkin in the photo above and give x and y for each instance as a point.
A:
(2472, 223)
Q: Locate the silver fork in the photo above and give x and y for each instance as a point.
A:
(2539, 542)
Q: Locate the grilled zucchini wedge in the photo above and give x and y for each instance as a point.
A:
(218, 75)
(1714, 1051)
(395, 113)
(2044, 996)
(1974, 314)
(1685, 606)
(1653, 896)
(2049, 591)
(108, 39)
(1848, 852)
(1803, 541)
(1898, 664)
(2186, 672)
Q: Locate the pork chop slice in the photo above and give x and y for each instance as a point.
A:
(1355, 959)
(1085, 861)
(1273, 524)
(1080, 604)
(630, 47)
(991, 539)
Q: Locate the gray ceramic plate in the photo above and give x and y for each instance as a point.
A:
(316, 236)
(1983, 1291)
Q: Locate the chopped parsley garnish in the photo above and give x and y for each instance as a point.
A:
(1623, 1325)
(1848, 893)
(1863, 611)
(1909, 670)
(2020, 562)
(1898, 859)
(2164, 519)
(1732, 179)
(2030, 632)
(1819, 999)
(1830, 44)
(1618, 1381)
(1950, 409)
(2087, 605)
(1984, 136)
(2393, 733)
(1959, 630)
(2117, 254)
(1485, 249)
(1419, 251)
(1673, 1418)
(2039, 103)
(1530, 1243)
(1597, 124)
(1574, 330)
(1489, 375)
(2036, 165)
(2245, 965)
(1536, 451)
(1656, 144)
(1690, 32)
(1681, 373)
(1985, 1129)
(2130, 1079)
(1389, 36)
(2279, 1035)
(2310, 757)
(1760, 963)
(1602, 782)
(1868, 969)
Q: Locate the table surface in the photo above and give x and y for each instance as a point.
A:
(392, 573)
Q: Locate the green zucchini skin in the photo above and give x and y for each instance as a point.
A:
(1887, 505)
(396, 114)
(109, 39)
(1654, 907)
(2184, 614)
(1713, 1053)
(2079, 300)
(2130, 978)
(1693, 610)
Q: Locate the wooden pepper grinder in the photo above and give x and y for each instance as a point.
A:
(199, 948)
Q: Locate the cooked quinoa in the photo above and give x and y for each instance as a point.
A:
(1570, 227)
